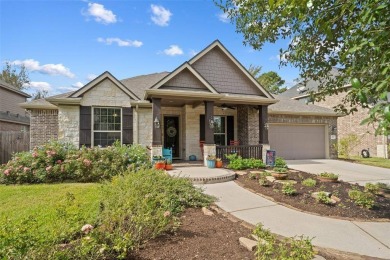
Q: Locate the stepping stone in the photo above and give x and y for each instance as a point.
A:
(207, 212)
(270, 178)
(248, 243)
(258, 172)
(241, 172)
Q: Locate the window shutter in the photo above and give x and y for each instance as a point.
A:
(202, 128)
(127, 125)
(230, 129)
(85, 126)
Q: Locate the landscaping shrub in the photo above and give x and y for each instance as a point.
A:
(58, 162)
(294, 248)
(280, 163)
(347, 144)
(236, 162)
(288, 189)
(371, 187)
(323, 197)
(363, 199)
(309, 182)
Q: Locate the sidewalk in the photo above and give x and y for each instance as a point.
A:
(364, 238)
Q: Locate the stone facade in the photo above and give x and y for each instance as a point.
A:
(350, 124)
(43, 126)
(106, 94)
(143, 124)
(330, 122)
(69, 124)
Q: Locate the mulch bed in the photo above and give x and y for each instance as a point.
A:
(199, 237)
(346, 208)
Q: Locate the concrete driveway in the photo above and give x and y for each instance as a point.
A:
(349, 172)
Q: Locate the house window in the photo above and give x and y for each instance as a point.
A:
(107, 126)
(220, 130)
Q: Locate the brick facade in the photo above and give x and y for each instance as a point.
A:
(351, 124)
(43, 126)
(330, 122)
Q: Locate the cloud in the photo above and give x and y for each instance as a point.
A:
(173, 50)
(192, 53)
(78, 84)
(120, 42)
(50, 69)
(101, 14)
(223, 17)
(39, 85)
(279, 57)
(91, 77)
(161, 16)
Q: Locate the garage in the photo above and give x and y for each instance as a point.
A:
(293, 142)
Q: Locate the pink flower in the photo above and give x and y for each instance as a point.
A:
(59, 161)
(35, 154)
(167, 214)
(7, 172)
(26, 169)
(87, 228)
(87, 162)
(48, 168)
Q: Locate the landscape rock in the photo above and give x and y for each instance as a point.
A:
(318, 257)
(207, 212)
(240, 173)
(262, 241)
(270, 178)
(286, 181)
(315, 194)
(248, 243)
(256, 172)
(336, 199)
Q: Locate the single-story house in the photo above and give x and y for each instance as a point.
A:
(206, 104)
(348, 124)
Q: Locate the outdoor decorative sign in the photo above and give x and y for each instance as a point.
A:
(270, 158)
(171, 131)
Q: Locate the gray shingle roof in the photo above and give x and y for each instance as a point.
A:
(141, 83)
(311, 85)
(43, 101)
(12, 88)
(287, 105)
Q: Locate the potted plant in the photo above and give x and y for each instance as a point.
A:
(157, 158)
(168, 165)
(218, 163)
(210, 161)
(280, 173)
(160, 165)
(328, 177)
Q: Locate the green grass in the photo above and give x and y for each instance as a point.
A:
(373, 161)
(45, 213)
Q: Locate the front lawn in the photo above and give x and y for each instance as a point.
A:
(373, 161)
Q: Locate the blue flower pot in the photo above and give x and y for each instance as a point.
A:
(211, 163)
(192, 158)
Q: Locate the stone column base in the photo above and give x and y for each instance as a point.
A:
(208, 149)
(264, 152)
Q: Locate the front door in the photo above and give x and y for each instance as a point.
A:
(171, 135)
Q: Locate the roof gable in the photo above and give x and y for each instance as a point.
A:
(225, 73)
(188, 77)
(101, 78)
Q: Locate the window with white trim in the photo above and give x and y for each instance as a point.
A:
(107, 126)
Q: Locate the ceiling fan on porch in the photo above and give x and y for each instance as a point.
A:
(225, 107)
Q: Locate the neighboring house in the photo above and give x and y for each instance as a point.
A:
(12, 116)
(205, 102)
(350, 124)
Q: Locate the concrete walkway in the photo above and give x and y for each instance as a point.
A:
(349, 172)
(364, 238)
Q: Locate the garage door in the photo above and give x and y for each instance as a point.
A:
(298, 141)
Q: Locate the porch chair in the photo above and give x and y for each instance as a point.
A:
(167, 153)
(234, 143)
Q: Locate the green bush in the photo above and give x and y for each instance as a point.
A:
(58, 162)
(280, 170)
(323, 197)
(363, 199)
(280, 163)
(371, 187)
(309, 182)
(288, 189)
(329, 175)
(236, 162)
(347, 144)
(292, 248)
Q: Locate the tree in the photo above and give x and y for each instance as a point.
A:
(352, 35)
(271, 80)
(14, 77)
(40, 94)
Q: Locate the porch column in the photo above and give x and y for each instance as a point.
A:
(263, 133)
(209, 115)
(156, 122)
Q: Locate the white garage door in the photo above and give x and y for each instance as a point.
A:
(298, 141)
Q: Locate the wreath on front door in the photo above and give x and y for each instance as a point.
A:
(171, 131)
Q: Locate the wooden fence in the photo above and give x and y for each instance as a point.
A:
(11, 142)
(245, 151)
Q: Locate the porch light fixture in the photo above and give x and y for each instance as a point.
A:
(334, 129)
(156, 123)
(211, 122)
